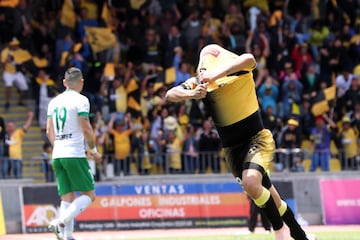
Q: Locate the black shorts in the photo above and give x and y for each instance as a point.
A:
(260, 149)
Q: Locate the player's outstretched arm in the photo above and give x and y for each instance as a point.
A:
(179, 93)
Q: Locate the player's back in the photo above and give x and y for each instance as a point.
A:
(65, 110)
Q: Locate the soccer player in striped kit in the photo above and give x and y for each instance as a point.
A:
(225, 84)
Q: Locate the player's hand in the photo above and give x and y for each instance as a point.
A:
(206, 76)
(200, 91)
(97, 156)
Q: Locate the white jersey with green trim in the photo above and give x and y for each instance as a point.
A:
(65, 110)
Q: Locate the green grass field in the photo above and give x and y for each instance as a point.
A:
(323, 232)
(353, 235)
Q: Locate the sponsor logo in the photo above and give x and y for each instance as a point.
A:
(212, 51)
(42, 215)
(252, 150)
(159, 189)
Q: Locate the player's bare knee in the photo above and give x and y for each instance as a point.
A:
(251, 184)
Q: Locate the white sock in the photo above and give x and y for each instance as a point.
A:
(75, 208)
(69, 228)
(63, 206)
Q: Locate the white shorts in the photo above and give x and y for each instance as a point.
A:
(17, 79)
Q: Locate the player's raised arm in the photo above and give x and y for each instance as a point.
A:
(233, 63)
(245, 61)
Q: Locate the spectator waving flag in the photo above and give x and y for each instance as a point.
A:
(324, 100)
(100, 38)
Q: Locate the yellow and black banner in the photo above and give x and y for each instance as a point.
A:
(324, 101)
(100, 38)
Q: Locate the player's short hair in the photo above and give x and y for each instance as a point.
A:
(73, 75)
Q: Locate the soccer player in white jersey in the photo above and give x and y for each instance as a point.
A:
(68, 127)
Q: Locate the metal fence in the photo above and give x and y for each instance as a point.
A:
(300, 160)
(163, 163)
(290, 160)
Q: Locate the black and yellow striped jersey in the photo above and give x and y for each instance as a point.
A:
(231, 100)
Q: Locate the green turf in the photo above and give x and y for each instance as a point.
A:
(353, 235)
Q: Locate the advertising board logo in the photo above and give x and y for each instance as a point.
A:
(42, 215)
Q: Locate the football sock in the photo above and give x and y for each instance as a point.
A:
(288, 216)
(75, 208)
(267, 203)
(69, 228)
(282, 208)
(63, 206)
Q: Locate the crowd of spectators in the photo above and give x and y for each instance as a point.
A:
(301, 48)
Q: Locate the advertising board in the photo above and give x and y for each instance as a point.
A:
(148, 206)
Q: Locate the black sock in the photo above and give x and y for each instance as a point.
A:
(295, 229)
(273, 214)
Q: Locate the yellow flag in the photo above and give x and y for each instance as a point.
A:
(132, 86)
(262, 4)
(357, 70)
(106, 14)
(109, 70)
(132, 103)
(64, 58)
(158, 85)
(40, 62)
(136, 4)
(2, 218)
(100, 38)
(275, 17)
(49, 82)
(77, 47)
(67, 17)
(324, 100)
(170, 75)
(9, 3)
(21, 56)
(91, 7)
(320, 108)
